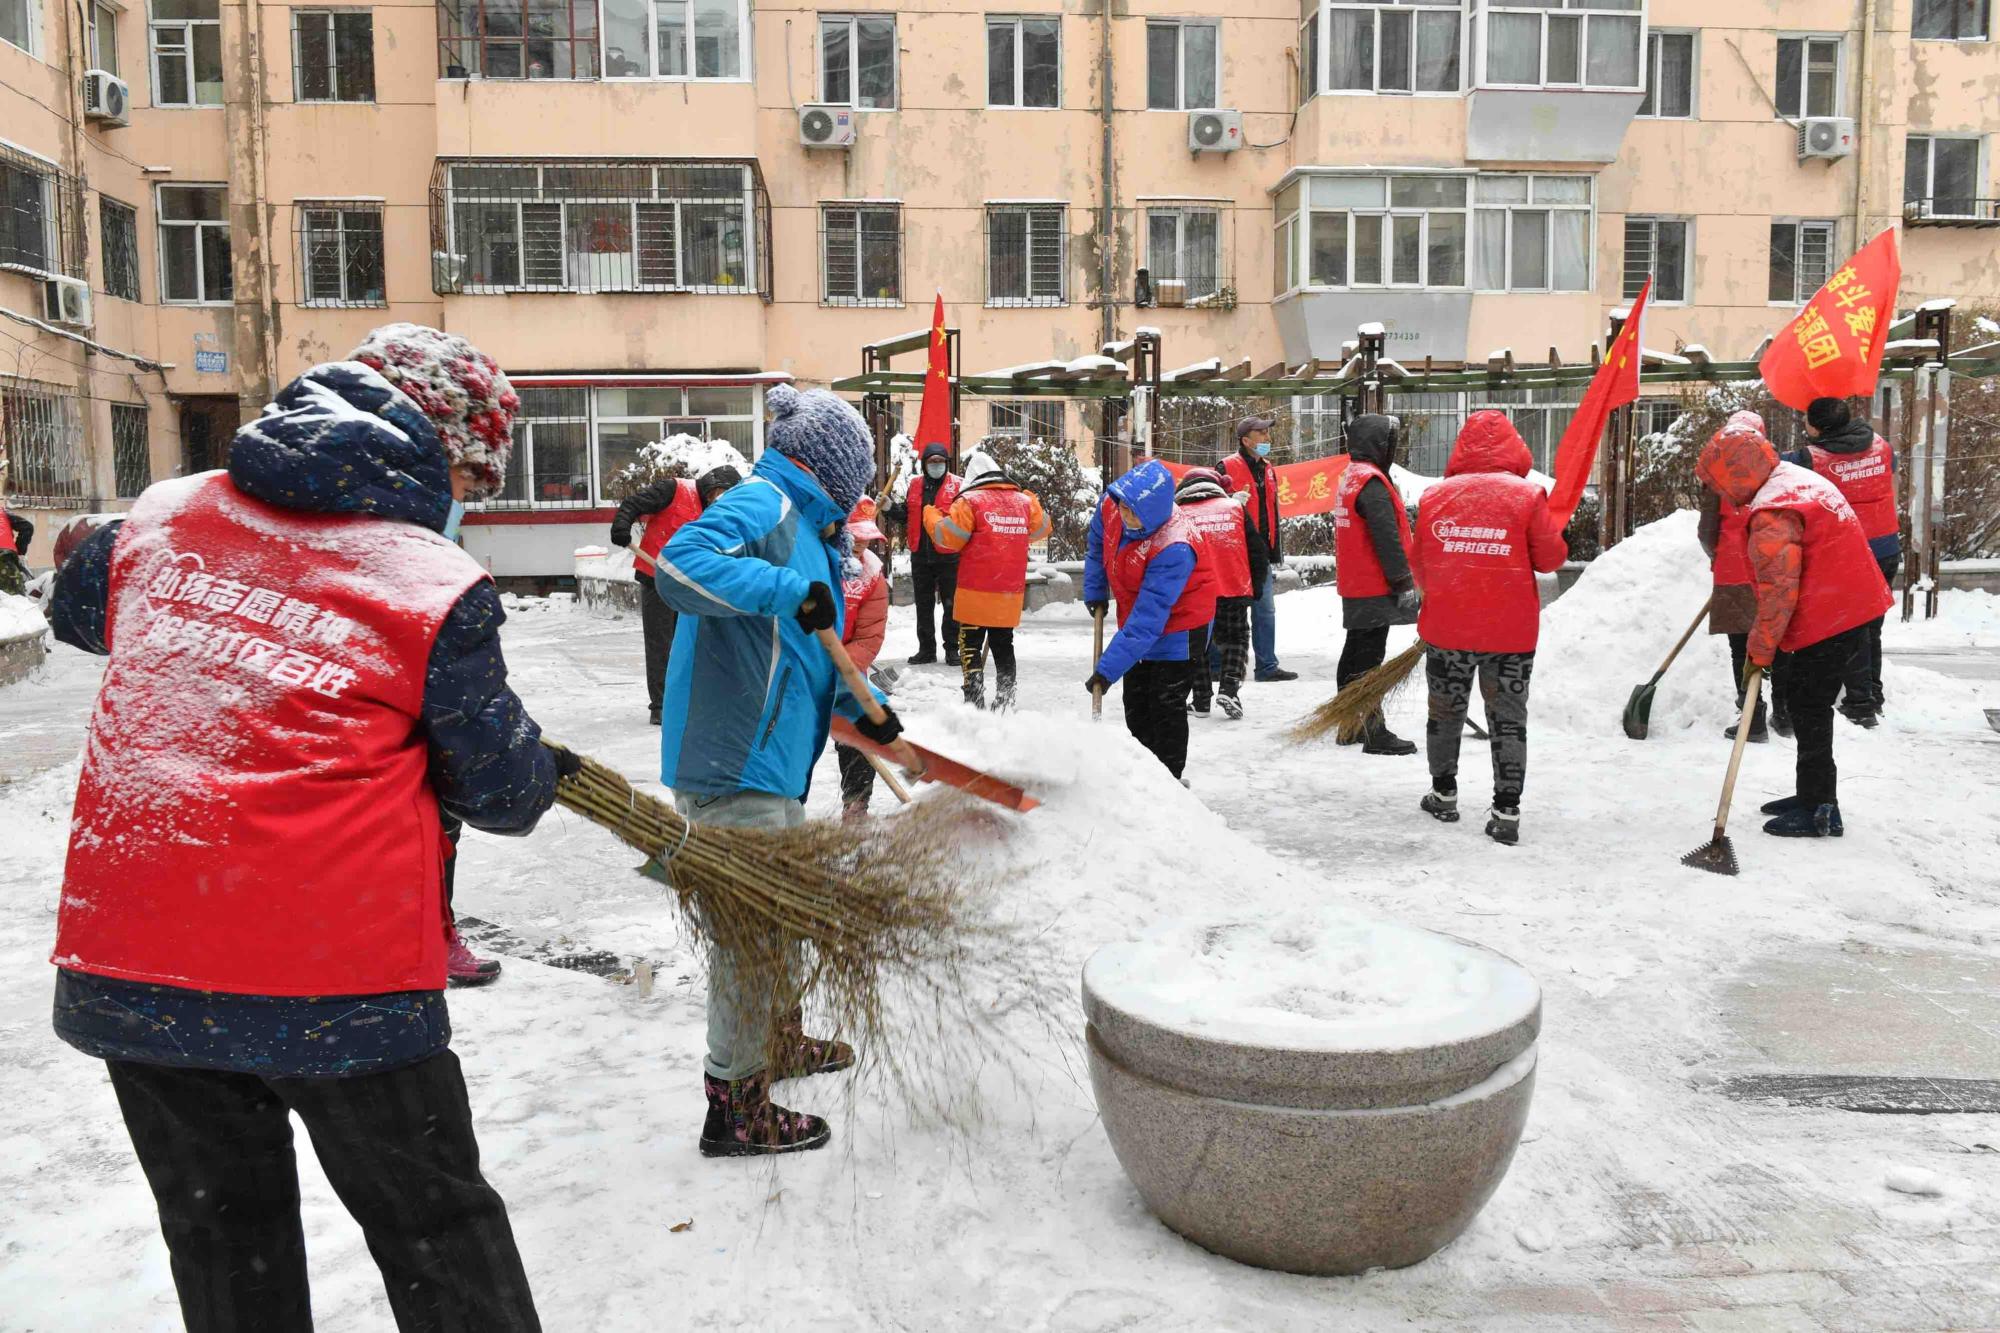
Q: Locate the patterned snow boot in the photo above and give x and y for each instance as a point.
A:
(463, 967)
(1503, 824)
(1805, 821)
(743, 1121)
(802, 1056)
(1441, 806)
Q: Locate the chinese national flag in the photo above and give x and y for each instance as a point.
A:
(1833, 348)
(934, 418)
(1615, 384)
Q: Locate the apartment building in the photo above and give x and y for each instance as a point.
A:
(649, 210)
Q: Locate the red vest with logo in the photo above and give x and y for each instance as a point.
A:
(854, 590)
(6, 532)
(913, 510)
(996, 559)
(1225, 537)
(1731, 566)
(1125, 567)
(1868, 480)
(1357, 568)
(1840, 586)
(1479, 582)
(1264, 502)
(684, 508)
(255, 813)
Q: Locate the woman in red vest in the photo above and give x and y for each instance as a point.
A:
(666, 505)
(15, 535)
(1371, 547)
(1238, 557)
(864, 589)
(1818, 587)
(1483, 533)
(989, 525)
(1724, 533)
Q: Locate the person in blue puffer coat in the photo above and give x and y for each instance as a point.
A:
(749, 697)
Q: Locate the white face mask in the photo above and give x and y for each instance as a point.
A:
(934, 470)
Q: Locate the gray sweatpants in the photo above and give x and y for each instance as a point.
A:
(739, 1023)
(1503, 685)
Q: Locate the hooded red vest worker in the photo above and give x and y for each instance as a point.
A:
(1732, 546)
(1125, 568)
(661, 525)
(1357, 568)
(1472, 544)
(1868, 480)
(913, 507)
(1225, 538)
(254, 814)
(1263, 503)
(1840, 585)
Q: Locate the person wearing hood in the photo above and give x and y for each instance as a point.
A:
(989, 526)
(1371, 536)
(753, 581)
(1818, 587)
(864, 592)
(1249, 472)
(1724, 531)
(1846, 451)
(933, 572)
(1240, 563)
(1483, 533)
(305, 674)
(665, 505)
(1150, 561)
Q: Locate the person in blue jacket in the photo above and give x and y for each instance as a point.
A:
(749, 696)
(1151, 566)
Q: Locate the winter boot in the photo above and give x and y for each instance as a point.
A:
(1781, 719)
(1198, 708)
(1803, 821)
(653, 716)
(1232, 707)
(463, 967)
(1276, 674)
(921, 659)
(1861, 716)
(1003, 697)
(1440, 805)
(802, 1056)
(854, 812)
(1503, 822)
(743, 1121)
(1376, 738)
(1784, 805)
(1759, 732)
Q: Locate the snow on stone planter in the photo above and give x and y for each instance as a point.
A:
(1317, 1094)
(24, 637)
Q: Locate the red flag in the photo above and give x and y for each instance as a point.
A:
(1615, 384)
(1833, 348)
(934, 418)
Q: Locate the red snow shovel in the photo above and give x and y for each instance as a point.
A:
(1639, 708)
(1717, 855)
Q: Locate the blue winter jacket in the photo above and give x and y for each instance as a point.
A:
(749, 694)
(487, 763)
(1149, 491)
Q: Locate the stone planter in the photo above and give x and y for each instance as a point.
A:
(22, 653)
(1364, 1141)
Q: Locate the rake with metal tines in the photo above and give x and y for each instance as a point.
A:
(1717, 855)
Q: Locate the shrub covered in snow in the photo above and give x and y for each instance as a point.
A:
(676, 456)
(1050, 469)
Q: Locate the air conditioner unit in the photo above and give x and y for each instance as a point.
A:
(66, 301)
(106, 97)
(1215, 131)
(826, 126)
(1826, 136)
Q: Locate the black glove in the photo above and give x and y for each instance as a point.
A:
(568, 762)
(1097, 608)
(1096, 685)
(815, 613)
(881, 732)
(1409, 599)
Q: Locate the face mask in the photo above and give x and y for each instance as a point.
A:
(1264, 449)
(451, 520)
(934, 470)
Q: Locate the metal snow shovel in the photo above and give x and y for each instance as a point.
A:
(1096, 656)
(1717, 855)
(1639, 708)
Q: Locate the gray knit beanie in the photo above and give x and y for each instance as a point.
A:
(826, 437)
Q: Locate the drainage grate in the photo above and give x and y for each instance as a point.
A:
(1872, 1094)
(499, 939)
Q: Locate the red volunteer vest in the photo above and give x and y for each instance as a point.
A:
(913, 508)
(1868, 480)
(254, 814)
(1840, 586)
(854, 591)
(1264, 502)
(1479, 582)
(684, 508)
(1357, 568)
(6, 533)
(1732, 547)
(996, 559)
(1125, 567)
(1221, 523)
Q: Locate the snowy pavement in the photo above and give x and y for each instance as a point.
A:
(1647, 1194)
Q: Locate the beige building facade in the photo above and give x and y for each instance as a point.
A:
(649, 210)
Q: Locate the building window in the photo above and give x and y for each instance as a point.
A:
(21, 25)
(30, 237)
(1801, 259)
(857, 60)
(606, 225)
(1535, 232)
(1941, 178)
(131, 451)
(1808, 77)
(1951, 20)
(569, 444)
(41, 435)
(1026, 254)
(861, 254)
(1309, 72)
(1024, 62)
(118, 237)
(672, 39)
(1409, 47)
(1183, 64)
(103, 38)
(187, 52)
(1660, 249)
(194, 245)
(340, 253)
(1669, 76)
(1562, 43)
(1184, 253)
(333, 55)
(641, 39)
(1026, 420)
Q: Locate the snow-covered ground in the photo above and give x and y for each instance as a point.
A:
(1641, 1197)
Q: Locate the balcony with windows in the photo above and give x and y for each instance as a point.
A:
(1941, 183)
(1553, 80)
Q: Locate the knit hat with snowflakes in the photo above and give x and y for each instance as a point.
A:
(824, 436)
(457, 386)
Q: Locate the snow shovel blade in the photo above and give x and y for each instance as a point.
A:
(1717, 856)
(937, 768)
(1639, 710)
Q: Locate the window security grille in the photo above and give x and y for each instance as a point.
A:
(41, 429)
(131, 453)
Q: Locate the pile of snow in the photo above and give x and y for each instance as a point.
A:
(20, 618)
(1966, 618)
(694, 455)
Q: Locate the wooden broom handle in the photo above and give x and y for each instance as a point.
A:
(857, 685)
(888, 776)
(1096, 656)
(1685, 637)
(1752, 689)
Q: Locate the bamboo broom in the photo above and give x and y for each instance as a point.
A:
(1347, 712)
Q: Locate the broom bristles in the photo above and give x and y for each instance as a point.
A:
(1348, 711)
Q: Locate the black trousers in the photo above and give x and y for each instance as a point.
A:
(1813, 678)
(975, 643)
(935, 581)
(857, 776)
(1863, 683)
(656, 621)
(1156, 696)
(1739, 653)
(398, 1149)
(1361, 652)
